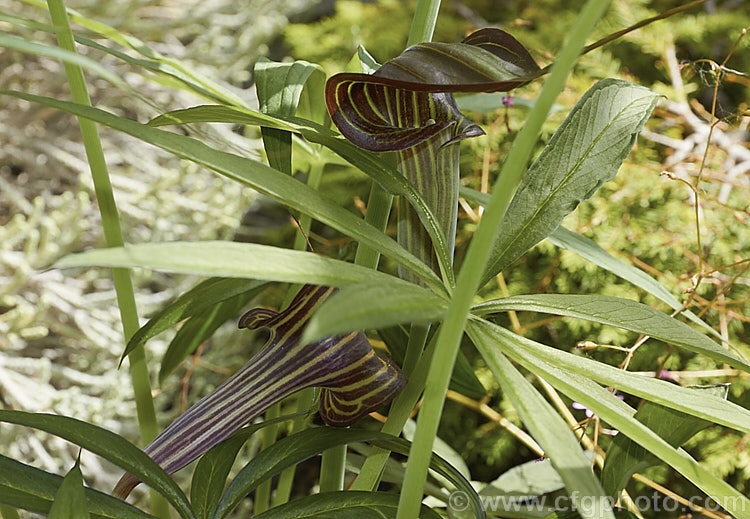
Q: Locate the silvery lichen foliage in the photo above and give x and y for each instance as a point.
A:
(60, 333)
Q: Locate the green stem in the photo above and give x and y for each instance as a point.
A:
(268, 438)
(378, 209)
(450, 333)
(372, 468)
(305, 400)
(305, 220)
(422, 28)
(113, 237)
(333, 464)
(332, 469)
(423, 23)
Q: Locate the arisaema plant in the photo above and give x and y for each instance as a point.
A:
(401, 126)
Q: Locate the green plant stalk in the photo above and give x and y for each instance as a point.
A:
(378, 208)
(332, 469)
(423, 23)
(268, 438)
(417, 339)
(401, 408)
(305, 220)
(284, 487)
(305, 400)
(422, 28)
(113, 237)
(333, 463)
(477, 255)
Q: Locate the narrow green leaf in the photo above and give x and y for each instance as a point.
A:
(109, 446)
(377, 304)
(293, 449)
(228, 259)
(280, 84)
(547, 428)
(618, 414)
(693, 403)
(585, 152)
(70, 499)
(202, 296)
(32, 489)
(622, 313)
(210, 476)
(343, 505)
(279, 87)
(7, 512)
(591, 251)
(310, 106)
(12, 42)
(256, 175)
(199, 328)
(625, 457)
(526, 480)
(196, 82)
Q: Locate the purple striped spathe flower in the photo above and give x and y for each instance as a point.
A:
(355, 382)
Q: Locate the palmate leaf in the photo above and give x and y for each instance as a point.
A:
(371, 312)
(693, 403)
(615, 412)
(376, 305)
(584, 152)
